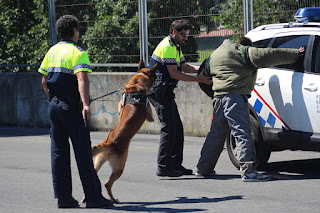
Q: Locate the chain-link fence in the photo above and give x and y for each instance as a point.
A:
(110, 28)
(108, 37)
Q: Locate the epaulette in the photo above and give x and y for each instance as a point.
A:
(79, 48)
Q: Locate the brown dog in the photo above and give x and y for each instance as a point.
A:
(134, 109)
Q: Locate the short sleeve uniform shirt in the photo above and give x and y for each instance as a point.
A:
(166, 53)
(61, 63)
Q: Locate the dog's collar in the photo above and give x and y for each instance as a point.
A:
(134, 98)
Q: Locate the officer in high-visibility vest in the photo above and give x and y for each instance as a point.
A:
(65, 81)
(171, 68)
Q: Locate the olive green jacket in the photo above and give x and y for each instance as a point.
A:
(233, 67)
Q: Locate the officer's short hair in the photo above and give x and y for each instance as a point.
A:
(180, 25)
(245, 41)
(65, 25)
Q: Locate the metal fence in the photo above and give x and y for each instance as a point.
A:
(207, 35)
(110, 28)
(213, 21)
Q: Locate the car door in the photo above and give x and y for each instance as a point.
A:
(311, 84)
(285, 98)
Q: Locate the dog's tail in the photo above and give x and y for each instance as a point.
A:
(96, 150)
(100, 147)
(100, 154)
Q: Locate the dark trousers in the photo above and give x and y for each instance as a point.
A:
(170, 154)
(66, 121)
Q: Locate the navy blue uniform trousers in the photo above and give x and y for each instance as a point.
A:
(66, 121)
(170, 154)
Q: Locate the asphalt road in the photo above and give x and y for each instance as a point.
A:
(25, 179)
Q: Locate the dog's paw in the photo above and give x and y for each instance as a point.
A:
(83, 200)
(115, 200)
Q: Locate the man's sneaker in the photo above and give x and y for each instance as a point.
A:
(201, 174)
(255, 177)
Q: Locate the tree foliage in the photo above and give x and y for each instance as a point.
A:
(264, 12)
(110, 28)
(163, 13)
(23, 27)
(114, 36)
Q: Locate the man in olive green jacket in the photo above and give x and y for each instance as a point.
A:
(233, 67)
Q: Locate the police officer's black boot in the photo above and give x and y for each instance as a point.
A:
(68, 203)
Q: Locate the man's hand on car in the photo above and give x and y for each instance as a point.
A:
(302, 50)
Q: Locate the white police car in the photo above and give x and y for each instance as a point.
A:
(285, 104)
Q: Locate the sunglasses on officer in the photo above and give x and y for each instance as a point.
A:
(184, 34)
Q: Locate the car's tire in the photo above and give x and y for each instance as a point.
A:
(262, 149)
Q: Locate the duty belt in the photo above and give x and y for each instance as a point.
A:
(73, 99)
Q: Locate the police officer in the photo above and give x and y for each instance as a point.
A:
(171, 68)
(65, 81)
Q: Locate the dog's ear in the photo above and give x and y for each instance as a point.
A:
(141, 65)
(154, 68)
(152, 72)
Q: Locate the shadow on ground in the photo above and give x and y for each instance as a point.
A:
(147, 206)
(6, 131)
(295, 169)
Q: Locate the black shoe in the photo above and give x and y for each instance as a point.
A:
(201, 174)
(169, 173)
(68, 203)
(185, 171)
(103, 203)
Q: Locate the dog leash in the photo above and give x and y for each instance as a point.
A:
(110, 93)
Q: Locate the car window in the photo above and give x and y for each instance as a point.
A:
(294, 42)
(262, 43)
(291, 41)
(316, 55)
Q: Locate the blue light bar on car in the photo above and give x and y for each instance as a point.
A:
(308, 14)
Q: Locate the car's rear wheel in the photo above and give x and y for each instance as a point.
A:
(262, 149)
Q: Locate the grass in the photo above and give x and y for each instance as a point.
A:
(203, 54)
